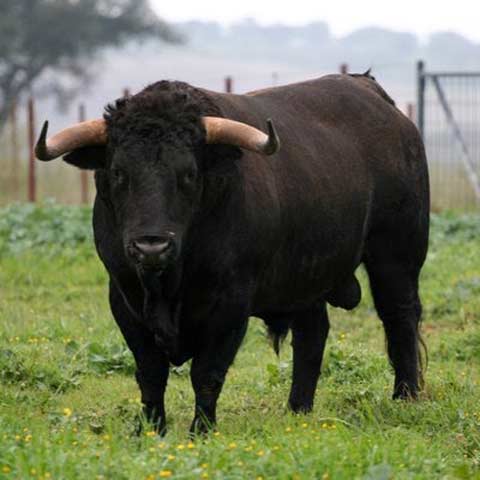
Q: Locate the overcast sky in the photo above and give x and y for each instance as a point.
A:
(419, 16)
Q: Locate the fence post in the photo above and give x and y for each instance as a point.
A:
(126, 92)
(411, 111)
(344, 68)
(274, 79)
(228, 84)
(14, 146)
(83, 173)
(421, 98)
(32, 187)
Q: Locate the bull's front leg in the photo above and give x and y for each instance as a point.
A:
(152, 363)
(209, 367)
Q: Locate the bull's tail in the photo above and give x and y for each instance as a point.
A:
(277, 331)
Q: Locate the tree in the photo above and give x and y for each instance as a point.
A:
(64, 37)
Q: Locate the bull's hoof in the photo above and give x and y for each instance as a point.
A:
(142, 426)
(201, 427)
(300, 407)
(405, 391)
(150, 421)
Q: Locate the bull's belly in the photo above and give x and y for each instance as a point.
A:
(283, 290)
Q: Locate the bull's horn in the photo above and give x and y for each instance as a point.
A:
(230, 132)
(90, 133)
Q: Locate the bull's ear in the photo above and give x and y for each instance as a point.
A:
(87, 158)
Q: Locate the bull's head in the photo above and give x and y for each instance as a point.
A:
(153, 175)
(149, 153)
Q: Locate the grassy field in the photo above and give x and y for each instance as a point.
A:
(68, 398)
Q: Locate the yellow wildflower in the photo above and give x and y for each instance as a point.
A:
(204, 465)
(260, 453)
(151, 433)
(28, 438)
(304, 425)
(288, 429)
(204, 475)
(170, 457)
(190, 445)
(6, 469)
(165, 473)
(67, 412)
(180, 447)
(232, 445)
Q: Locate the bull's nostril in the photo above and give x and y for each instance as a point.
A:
(151, 251)
(152, 248)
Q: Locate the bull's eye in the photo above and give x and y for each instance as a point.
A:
(118, 175)
(188, 179)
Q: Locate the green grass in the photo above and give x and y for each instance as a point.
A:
(68, 399)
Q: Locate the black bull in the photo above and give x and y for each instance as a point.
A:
(275, 237)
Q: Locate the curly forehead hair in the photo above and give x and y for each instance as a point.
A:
(164, 111)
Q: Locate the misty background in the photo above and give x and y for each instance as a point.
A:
(258, 56)
(73, 57)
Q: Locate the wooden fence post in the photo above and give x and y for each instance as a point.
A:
(83, 173)
(228, 84)
(274, 79)
(32, 187)
(14, 147)
(411, 111)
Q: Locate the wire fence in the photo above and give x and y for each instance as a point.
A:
(447, 112)
(22, 178)
(449, 120)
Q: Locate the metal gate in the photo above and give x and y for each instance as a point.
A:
(448, 117)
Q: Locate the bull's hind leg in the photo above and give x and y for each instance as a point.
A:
(394, 285)
(309, 335)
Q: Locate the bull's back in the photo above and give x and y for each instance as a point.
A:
(343, 168)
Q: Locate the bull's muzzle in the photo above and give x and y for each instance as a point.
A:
(152, 252)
